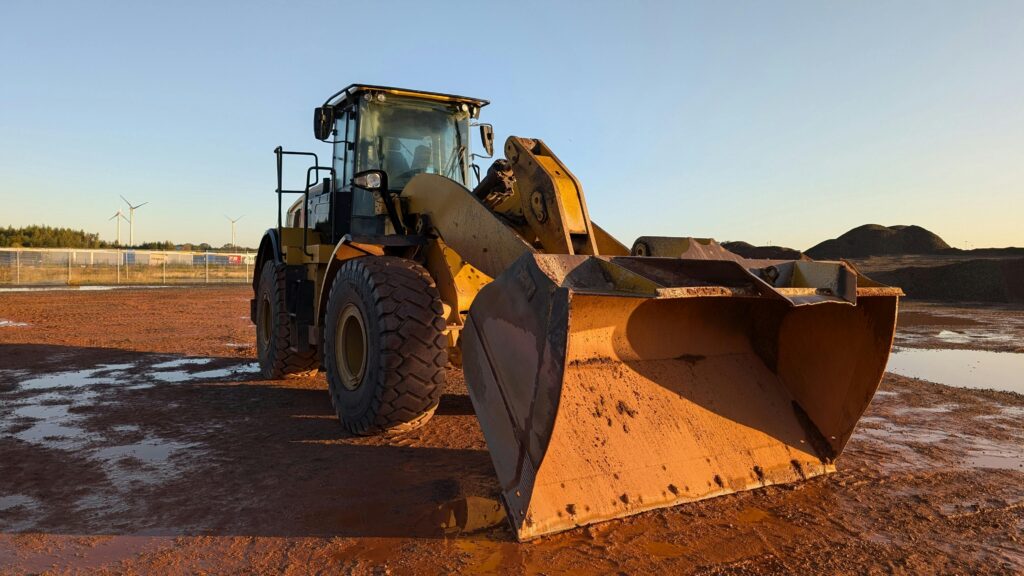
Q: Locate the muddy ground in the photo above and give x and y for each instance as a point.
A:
(995, 327)
(135, 437)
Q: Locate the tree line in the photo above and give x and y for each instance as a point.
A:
(49, 237)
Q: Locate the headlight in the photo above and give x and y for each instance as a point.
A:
(370, 180)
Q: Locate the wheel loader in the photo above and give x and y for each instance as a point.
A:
(607, 380)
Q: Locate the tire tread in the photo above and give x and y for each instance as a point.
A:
(412, 346)
(284, 361)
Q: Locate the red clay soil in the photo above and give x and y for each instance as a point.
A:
(136, 438)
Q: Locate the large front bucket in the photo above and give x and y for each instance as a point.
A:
(610, 386)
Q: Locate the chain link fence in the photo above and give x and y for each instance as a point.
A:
(89, 267)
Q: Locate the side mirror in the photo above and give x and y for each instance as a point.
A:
(323, 123)
(371, 180)
(487, 138)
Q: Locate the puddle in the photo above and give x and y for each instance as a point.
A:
(877, 421)
(173, 377)
(961, 368)
(969, 336)
(956, 337)
(912, 410)
(48, 412)
(1011, 410)
(79, 398)
(153, 451)
(11, 323)
(74, 379)
(16, 500)
(179, 362)
(989, 455)
(150, 461)
(247, 369)
(141, 377)
(178, 376)
(50, 420)
(900, 435)
(54, 435)
(42, 412)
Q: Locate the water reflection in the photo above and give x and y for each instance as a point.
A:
(962, 368)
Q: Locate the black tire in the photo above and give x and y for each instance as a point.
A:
(274, 330)
(392, 382)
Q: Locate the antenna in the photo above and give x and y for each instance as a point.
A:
(131, 219)
(119, 215)
(233, 227)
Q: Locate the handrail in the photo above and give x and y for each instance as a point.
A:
(280, 153)
(305, 218)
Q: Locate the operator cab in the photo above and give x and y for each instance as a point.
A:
(399, 132)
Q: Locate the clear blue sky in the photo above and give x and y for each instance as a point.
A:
(781, 122)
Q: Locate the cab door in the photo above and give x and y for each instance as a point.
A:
(344, 161)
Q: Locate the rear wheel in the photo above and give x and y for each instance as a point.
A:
(384, 346)
(273, 329)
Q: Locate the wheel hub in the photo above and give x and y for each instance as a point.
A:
(264, 322)
(351, 347)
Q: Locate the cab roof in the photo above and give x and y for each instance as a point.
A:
(354, 91)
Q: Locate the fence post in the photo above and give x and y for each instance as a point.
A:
(17, 267)
(245, 260)
(70, 253)
(165, 269)
(207, 259)
(118, 261)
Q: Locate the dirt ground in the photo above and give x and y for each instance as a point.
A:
(136, 437)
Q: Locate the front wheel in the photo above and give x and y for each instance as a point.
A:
(384, 346)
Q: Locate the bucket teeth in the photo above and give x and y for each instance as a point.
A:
(609, 386)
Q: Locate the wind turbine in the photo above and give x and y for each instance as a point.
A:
(119, 215)
(233, 227)
(131, 219)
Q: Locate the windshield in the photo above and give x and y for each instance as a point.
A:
(405, 137)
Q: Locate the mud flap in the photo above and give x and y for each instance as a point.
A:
(610, 386)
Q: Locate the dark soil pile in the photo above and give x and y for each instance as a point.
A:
(971, 281)
(877, 240)
(1007, 252)
(748, 250)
